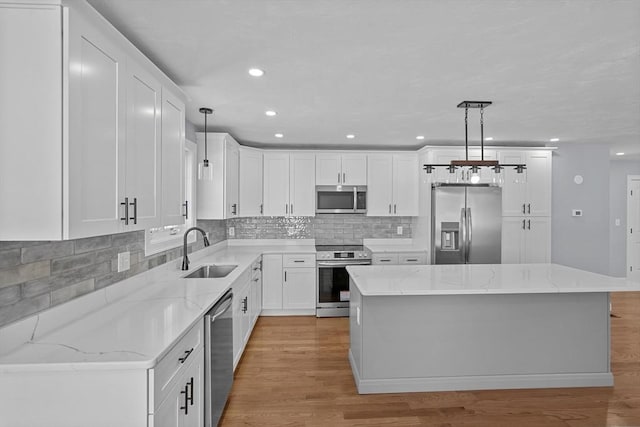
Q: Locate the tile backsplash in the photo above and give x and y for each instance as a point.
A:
(36, 275)
(325, 228)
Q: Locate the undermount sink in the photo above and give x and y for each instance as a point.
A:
(211, 271)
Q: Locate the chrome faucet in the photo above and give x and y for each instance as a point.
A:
(185, 258)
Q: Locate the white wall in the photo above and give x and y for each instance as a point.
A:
(581, 242)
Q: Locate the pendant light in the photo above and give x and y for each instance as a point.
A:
(205, 169)
(473, 166)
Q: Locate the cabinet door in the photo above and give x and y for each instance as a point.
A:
(173, 142)
(299, 288)
(302, 195)
(169, 414)
(276, 184)
(250, 182)
(144, 149)
(328, 169)
(514, 184)
(272, 281)
(354, 169)
(513, 233)
(405, 184)
(538, 189)
(97, 117)
(537, 248)
(194, 383)
(232, 169)
(379, 188)
(31, 155)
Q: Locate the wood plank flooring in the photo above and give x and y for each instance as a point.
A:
(295, 372)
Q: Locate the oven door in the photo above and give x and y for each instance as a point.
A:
(333, 283)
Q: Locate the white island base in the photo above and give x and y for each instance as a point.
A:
(433, 340)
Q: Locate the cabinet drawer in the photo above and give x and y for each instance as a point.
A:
(412, 258)
(171, 365)
(382, 259)
(301, 260)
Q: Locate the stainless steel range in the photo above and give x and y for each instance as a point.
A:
(333, 280)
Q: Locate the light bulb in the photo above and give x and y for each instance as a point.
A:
(475, 178)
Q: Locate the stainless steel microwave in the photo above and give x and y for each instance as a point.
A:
(341, 199)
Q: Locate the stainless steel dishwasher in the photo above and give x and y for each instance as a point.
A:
(218, 365)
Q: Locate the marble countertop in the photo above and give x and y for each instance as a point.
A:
(481, 279)
(132, 324)
(394, 245)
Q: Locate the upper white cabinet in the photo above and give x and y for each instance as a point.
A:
(94, 160)
(218, 199)
(528, 193)
(250, 182)
(289, 184)
(392, 185)
(175, 207)
(341, 169)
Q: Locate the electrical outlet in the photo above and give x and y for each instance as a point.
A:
(399, 230)
(576, 212)
(124, 261)
(232, 231)
(617, 222)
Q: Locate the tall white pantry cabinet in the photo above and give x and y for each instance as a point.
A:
(89, 128)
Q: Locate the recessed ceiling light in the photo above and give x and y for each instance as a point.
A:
(351, 136)
(554, 140)
(489, 138)
(620, 154)
(270, 113)
(420, 137)
(279, 135)
(256, 72)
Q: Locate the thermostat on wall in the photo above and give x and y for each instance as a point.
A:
(576, 212)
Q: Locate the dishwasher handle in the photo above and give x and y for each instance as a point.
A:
(221, 308)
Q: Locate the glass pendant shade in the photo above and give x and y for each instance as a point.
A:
(205, 170)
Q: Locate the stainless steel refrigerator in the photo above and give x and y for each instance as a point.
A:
(466, 224)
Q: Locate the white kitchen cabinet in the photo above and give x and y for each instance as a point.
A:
(250, 186)
(218, 199)
(402, 258)
(94, 160)
(527, 193)
(526, 240)
(289, 184)
(392, 185)
(174, 200)
(241, 328)
(384, 259)
(341, 169)
(289, 284)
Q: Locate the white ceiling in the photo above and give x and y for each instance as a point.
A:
(389, 70)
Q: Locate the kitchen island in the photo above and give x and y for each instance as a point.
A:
(479, 326)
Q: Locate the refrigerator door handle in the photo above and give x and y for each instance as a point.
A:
(469, 233)
(463, 236)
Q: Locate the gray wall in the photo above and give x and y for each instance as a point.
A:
(190, 131)
(581, 242)
(618, 209)
(36, 275)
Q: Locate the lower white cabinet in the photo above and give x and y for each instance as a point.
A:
(526, 240)
(176, 383)
(394, 258)
(247, 306)
(289, 284)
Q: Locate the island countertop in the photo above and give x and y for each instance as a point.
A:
(468, 279)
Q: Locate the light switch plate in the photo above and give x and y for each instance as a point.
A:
(124, 261)
(399, 230)
(576, 212)
(232, 231)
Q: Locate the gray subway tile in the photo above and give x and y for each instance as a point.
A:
(10, 257)
(24, 308)
(67, 293)
(50, 250)
(91, 244)
(9, 295)
(72, 262)
(109, 279)
(24, 272)
(124, 239)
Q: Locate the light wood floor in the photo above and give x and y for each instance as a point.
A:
(295, 372)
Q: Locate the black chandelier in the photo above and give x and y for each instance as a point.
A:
(474, 165)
